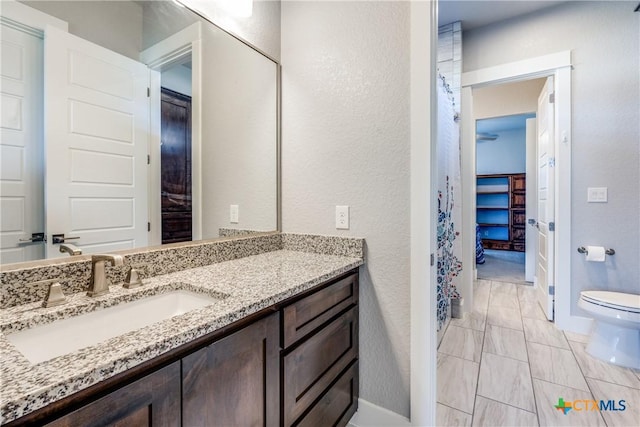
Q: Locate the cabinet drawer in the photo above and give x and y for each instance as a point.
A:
(518, 217)
(314, 365)
(305, 315)
(518, 200)
(338, 404)
(518, 234)
(519, 182)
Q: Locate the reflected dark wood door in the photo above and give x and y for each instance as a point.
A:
(176, 166)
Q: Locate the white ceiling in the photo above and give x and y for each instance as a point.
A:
(478, 13)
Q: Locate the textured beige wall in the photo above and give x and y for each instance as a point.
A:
(604, 38)
(346, 142)
(507, 99)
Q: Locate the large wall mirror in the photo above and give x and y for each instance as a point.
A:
(127, 124)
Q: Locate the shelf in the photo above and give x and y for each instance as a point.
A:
(500, 215)
(488, 189)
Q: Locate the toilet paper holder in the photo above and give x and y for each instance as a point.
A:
(583, 250)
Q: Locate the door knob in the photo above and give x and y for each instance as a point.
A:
(533, 222)
(35, 237)
(60, 238)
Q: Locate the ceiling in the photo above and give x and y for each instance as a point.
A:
(478, 13)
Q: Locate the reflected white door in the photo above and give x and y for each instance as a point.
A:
(97, 129)
(21, 171)
(546, 196)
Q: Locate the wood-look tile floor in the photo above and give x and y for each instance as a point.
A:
(504, 364)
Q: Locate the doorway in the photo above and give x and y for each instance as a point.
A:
(503, 153)
(559, 66)
(175, 166)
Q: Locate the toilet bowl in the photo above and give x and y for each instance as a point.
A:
(615, 337)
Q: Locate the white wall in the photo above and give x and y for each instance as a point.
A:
(507, 99)
(116, 25)
(507, 154)
(604, 38)
(177, 79)
(238, 123)
(346, 133)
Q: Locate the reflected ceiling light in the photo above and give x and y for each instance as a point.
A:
(211, 8)
(486, 136)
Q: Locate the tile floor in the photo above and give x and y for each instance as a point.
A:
(506, 266)
(504, 364)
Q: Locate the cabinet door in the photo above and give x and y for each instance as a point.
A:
(151, 401)
(234, 381)
(311, 368)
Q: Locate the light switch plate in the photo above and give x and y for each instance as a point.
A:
(597, 195)
(233, 214)
(342, 217)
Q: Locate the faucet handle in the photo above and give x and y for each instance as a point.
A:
(54, 296)
(133, 279)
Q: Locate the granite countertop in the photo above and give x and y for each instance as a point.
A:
(242, 287)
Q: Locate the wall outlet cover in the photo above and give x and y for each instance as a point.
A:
(597, 195)
(234, 214)
(342, 217)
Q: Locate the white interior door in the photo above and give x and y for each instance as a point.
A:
(97, 129)
(531, 233)
(21, 146)
(546, 196)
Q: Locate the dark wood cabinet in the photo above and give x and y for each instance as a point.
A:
(152, 401)
(500, 211)
(338, 405)
(294, 363)
(234, 381)
(320, 344)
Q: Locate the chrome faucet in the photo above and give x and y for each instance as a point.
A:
(70, 249)
(99, 284)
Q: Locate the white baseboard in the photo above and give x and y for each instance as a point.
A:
(578, 324)
(370, 415)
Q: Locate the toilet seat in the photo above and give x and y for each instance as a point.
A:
(615, 300)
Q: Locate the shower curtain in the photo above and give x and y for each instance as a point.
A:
(449, 209)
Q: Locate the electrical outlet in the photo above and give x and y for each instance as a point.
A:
(597, 195)
(342, 217)
(233, 214)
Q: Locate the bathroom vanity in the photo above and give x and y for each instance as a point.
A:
(278, 345)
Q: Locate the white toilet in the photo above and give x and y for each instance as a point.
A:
(616, 334)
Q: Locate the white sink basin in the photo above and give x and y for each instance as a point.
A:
(45, 342)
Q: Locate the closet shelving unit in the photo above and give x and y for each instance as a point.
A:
(500, 211)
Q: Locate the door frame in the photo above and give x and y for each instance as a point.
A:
(557, 65)
(163, 55)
